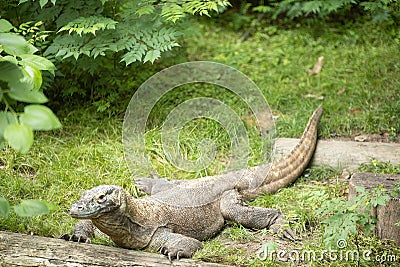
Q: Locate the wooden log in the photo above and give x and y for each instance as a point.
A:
(347, 155)
(387, 215)
(26, 250)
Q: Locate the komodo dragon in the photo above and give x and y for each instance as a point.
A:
(176, 230)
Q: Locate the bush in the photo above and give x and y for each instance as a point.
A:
(135, 30)
(379, 10)
(92, 41)
(21, 80)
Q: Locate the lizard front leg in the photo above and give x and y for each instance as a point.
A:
(84, 230)
(234, 209)
(174, 245)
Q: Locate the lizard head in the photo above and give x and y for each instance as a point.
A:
(97, 201)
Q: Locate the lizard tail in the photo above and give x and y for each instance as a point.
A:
(286, 170)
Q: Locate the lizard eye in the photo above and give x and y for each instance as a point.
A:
(101, 198)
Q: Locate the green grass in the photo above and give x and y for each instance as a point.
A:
(362, 58)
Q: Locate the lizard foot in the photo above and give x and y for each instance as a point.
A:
(284, 232)
(180, 248)
(75, 238)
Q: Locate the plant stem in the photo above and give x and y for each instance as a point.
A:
(9, 107)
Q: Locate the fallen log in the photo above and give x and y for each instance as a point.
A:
(386, 215)
(26, 250)
(346, 155)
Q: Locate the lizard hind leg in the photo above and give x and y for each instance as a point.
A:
(234, 209)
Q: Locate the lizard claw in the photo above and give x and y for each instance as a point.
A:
(170, 257)
(288, 234)
(64, 236)
(84, 239)
(179, 246)
(163, 250)
(174, 254)
(285, 233)
(280, 228)
(75, 238)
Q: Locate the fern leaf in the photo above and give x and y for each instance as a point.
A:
(136, 54)
(312, 7)
(172, 12)
(84, 25)
(152, 55)
(145, 10)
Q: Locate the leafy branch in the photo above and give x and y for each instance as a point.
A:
(142, 30)
(90, 24)
(176, 10)
(380, 10)
(21, 80)
(347, 218)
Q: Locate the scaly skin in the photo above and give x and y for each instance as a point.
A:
(165, 222)
(274, 176)
(286, 170)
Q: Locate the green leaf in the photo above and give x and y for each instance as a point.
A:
(3, 123)
(4, 207)
(38, 62)
(152, 55)
(5, 26)
(135, 54)
(368, 228)
(6, 118)
(145, 10)
(312, 7)
(28, 96)
(19, 137)
(380, 201)
(9, 72)
(25, 78)
(92, 24)
(15, 44)
(10, 59)
(172, 12)
(31, 207)
(51, 207)
(43, 3)
(39, 118)
(32, 77)
(360, 189)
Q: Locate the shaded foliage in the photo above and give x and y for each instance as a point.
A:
(91, 42)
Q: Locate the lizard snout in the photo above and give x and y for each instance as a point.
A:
(78, 210)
